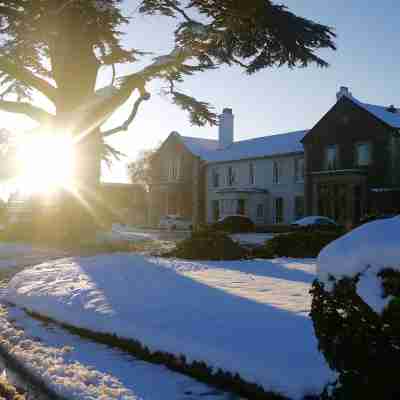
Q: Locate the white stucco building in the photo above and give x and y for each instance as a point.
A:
(262, 178)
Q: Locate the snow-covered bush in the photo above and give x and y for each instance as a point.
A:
(356, 310)
(207, 244)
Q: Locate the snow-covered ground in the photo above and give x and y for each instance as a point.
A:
(80, 369)
(21, 254)
(248, 317)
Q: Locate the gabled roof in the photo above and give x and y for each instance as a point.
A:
(265, 146)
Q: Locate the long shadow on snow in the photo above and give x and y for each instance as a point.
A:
(171, 312)
(276, 268)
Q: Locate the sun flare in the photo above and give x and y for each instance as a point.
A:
(46, 163)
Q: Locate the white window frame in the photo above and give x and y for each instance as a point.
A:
(215, 177)
(357, 154)
(252, 173)
(298, 174)
(277, 172)
(231, 176)
(335, 163)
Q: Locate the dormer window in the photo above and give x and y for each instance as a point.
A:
(331, 157)
(363, 154)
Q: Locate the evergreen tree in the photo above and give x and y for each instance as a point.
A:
(59, 48)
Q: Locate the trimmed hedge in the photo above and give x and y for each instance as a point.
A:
(207, 244)
(299, 244)
(361, 345)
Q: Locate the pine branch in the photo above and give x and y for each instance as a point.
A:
(35, 113)
(28, 78)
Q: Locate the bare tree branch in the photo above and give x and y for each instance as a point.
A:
(35, 113)
(27, 77)
(132, 116)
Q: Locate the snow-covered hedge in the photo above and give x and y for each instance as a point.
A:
(356, 310)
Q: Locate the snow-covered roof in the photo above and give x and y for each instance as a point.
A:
(380, 112)
(265, 146)
(199, 145)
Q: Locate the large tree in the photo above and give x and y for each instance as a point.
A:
(59, 48)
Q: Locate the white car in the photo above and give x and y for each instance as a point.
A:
(315, 221)
(175, 222)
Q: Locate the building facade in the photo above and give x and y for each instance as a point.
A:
(268, 190)
(347, 165)
(352, 161)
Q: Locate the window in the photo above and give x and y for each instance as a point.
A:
(174, 169)
(215, 209)
(278, 210)
(241, 207)
(277, 171)
(299, 207)
(299, 169)
(215, 177)
(228, 206)
(260, 211)
(231, 176)
(252, 178)
(363, 154)
(331, 160)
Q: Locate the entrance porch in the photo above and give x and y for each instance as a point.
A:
(340, 195)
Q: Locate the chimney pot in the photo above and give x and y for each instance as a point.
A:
(343, 91)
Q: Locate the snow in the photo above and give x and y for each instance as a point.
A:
(242, 316)
(79, 369)
(14, 254)
(124, 233)
(366, 251)
(257, 239)
(265, 146)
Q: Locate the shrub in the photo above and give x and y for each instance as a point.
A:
(360, 344)
(207, 244)
(301, 244)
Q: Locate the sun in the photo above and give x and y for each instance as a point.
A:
(46, 163)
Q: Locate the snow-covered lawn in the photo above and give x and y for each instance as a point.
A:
(80, 369)
(21, 254)
(248, 317)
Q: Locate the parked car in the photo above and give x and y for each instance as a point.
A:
(315, 221)
(175, 222)
(234, 224)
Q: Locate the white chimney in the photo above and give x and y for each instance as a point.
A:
(226, 128)
(343, 91)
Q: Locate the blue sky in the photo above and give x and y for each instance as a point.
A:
(275, 100)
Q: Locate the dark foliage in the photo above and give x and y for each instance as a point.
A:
(303, 243)
(207, 244)
(361, 345)
(234, 224)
